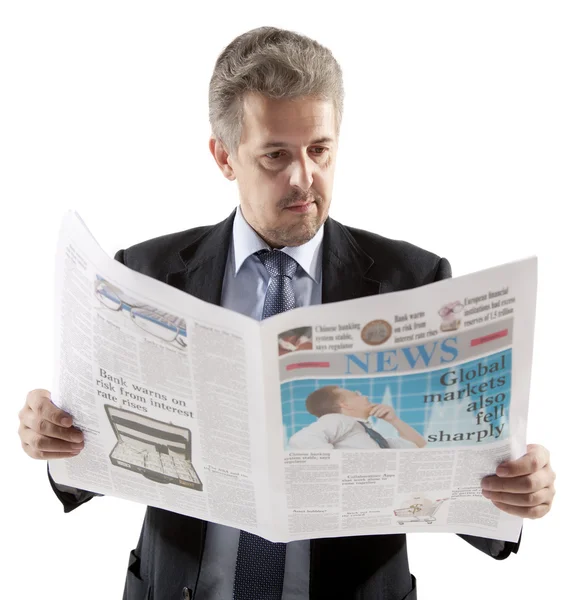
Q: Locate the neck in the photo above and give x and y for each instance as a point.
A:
(263, 237)
(356, 414)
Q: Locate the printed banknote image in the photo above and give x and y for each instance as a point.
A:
(160, 451)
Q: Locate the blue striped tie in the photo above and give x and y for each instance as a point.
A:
(260, 564)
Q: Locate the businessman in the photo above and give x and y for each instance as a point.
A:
(343, 423)
(275, 108)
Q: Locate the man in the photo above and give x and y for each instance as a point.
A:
(343, 423)
(275, 105)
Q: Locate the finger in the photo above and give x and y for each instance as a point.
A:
(44, 407)
(42, 455)
(39, 442)
(533, 512)
(519, 485)
(536, 458)
(37, 397)
(544, 496)
(40, 425)
(40, 392)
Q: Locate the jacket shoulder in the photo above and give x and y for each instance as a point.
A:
(400, 260)
(157, 256)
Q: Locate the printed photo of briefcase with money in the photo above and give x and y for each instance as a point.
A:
(160, 451)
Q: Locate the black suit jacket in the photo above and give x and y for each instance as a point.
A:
(166, 562)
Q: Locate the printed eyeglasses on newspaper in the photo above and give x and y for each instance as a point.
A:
(161, 325)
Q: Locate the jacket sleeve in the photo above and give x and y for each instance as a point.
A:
(70, 497)
(444, 270)
(497, 549)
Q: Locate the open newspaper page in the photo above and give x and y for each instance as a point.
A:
(164, 386)
(384, 413)
(376, 415)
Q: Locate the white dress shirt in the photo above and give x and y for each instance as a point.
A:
(246, 278)
(341, 432)
(244, 289)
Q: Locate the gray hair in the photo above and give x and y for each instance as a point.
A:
(276, 63)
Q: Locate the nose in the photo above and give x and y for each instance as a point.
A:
(301, 172)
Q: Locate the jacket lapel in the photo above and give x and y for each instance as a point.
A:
(204, 263)
(345, 266)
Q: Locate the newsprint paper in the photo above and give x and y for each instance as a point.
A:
(370, 416)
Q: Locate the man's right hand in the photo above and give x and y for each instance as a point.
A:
(45, 431)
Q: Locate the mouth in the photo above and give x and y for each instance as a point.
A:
(301, 207)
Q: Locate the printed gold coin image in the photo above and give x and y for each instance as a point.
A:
(376, 332)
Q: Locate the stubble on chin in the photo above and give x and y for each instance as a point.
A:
(298, 233)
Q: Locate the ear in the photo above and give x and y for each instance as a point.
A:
(221, 156)
(342, 403)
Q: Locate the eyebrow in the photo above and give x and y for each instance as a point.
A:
(323, 140)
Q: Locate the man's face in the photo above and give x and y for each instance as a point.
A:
(354, 404)
(285, 167)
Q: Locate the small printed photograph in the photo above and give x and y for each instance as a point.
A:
(419, 509)
(293, 340)
(161, 325)
(464, 405)
(376, 332)
(448, 314)
(157, 450)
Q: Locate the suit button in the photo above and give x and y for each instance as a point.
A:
(186, 594)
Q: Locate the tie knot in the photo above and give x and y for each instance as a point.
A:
(278, 263)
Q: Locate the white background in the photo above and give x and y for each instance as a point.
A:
(459, 135)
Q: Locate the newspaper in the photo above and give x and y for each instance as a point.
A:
(371, 416)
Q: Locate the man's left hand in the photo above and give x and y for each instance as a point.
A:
(523, 487)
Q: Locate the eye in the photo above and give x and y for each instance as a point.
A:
(317, 151)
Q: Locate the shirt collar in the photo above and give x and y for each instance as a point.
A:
(246, 242)
(365, 422)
